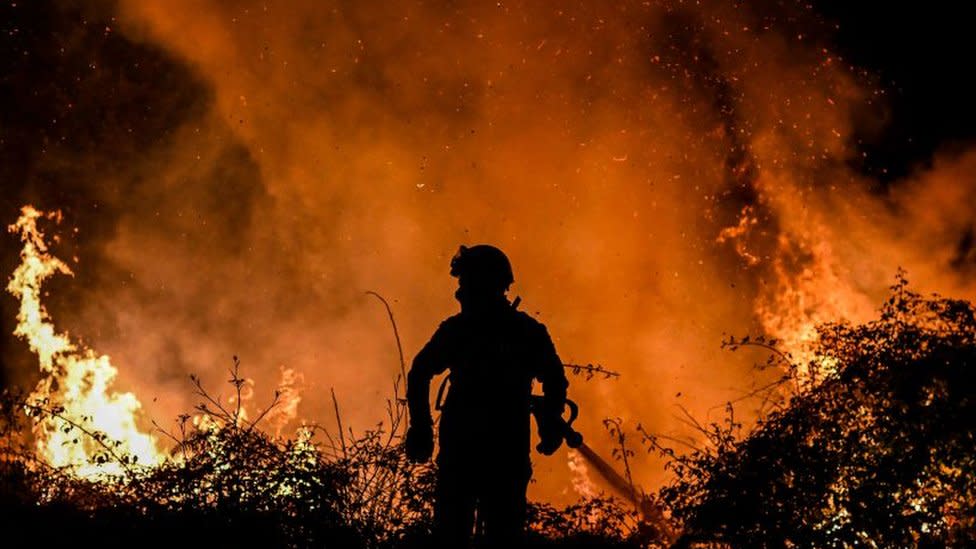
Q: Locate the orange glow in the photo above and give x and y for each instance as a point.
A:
(75, 390)
(661, 174)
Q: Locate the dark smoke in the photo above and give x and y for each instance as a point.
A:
(240, 173)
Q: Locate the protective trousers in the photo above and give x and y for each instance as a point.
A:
(490, 498)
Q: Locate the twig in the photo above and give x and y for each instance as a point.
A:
(201, 392)
(396, 333)
(274, 402)
(342, 438)
(589, 370)
(692, 422)
(96, 436)
(165, 432)
(615, 427)
(666, 437)
(755, 392)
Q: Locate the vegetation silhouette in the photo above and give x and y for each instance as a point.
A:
(871, 443)
(228, 482)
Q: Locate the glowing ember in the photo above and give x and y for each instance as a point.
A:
(80, 422)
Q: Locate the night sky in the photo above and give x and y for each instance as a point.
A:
(920, 54)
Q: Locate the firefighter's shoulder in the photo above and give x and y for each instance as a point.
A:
(447, 331)
(530, 324)
(450, 323)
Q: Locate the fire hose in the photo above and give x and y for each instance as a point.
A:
(650, 510)
(574, 440)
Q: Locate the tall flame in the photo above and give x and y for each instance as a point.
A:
(81, 423)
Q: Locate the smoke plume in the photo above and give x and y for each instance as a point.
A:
(660, 174)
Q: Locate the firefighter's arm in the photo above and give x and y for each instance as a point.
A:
(430, 361)
(554, 385)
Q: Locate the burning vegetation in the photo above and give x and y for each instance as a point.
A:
(82, 424)
(225, 477)
(870, 441)
(239, 174)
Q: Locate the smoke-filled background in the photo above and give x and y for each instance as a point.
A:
(234, 176)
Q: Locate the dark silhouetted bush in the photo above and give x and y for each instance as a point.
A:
(874, 446)
(228, 483)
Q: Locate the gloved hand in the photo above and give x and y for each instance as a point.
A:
(552, 439)
(420, 443)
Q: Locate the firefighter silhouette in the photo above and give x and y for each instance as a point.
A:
(493, 352)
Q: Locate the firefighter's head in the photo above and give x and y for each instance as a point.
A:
(482, 271)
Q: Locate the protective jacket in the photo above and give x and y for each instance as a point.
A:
(493, 355)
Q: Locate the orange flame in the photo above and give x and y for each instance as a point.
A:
(80, 422)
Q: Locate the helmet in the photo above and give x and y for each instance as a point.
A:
(483, 266)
